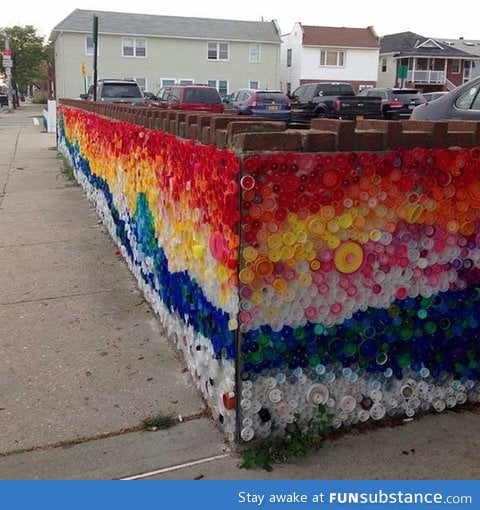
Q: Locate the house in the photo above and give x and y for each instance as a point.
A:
(163, 50)
(471, 46)
(411, 60)
(311, 54)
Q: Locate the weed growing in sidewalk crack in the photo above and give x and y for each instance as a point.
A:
(160, 421)
(297, 443)
(67, 170)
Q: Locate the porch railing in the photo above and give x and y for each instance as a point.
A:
(437, 77)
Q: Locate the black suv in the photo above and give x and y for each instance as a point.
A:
(117, 91)
(396, 103)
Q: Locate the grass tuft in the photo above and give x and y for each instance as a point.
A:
(161, 421)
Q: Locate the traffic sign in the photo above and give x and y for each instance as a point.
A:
(7, 53)
(7, 62)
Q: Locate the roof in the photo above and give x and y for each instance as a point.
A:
(409, 44)
(168, 26)
(471, 46)
(340, 36)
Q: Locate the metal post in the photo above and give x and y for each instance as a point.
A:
(95, 52)
(8, 72)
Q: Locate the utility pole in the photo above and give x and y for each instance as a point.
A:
(7, 64)
(95, 54)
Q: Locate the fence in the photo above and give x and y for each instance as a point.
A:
(336, 266)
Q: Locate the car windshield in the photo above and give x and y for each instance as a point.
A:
(112, 90)
(201, 95)
(271, 97)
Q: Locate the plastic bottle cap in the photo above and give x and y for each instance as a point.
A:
(247, 434)
(377, 411)
(247, 182)
(275, 395)
(363, 415)
(348, 257)
(317, 394)
(348, 403)
(330, 402)
(407, 391)
(270, 382)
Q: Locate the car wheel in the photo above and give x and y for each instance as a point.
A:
(320, 114)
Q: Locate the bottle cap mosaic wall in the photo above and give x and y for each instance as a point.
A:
(348, 276)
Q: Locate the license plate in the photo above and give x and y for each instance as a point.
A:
(273, 107)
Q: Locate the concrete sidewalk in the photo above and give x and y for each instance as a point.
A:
(83, 360)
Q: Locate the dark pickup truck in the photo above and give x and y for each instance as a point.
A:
(332, 101)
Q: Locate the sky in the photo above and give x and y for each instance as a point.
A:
(426, 17)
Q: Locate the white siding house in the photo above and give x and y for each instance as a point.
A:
(329, 54)
(160, 50)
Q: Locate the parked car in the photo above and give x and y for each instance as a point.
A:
(116, 91)
(396, 103)
(149, 95)
(331, 100)
(271, 104)
(189, 97)
(462, 103)
(431, 96)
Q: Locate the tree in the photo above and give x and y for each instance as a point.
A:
(29, 55)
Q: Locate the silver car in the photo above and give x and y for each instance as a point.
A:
(462, 103)
(117, 91)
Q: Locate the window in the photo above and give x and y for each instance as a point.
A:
(141, 81)
(456, 66)
(254, 84)
(384, 65)
(220, 85)
(332, 58)
(89, 45)
(289, 58)
(217, 51)
(476, 103)
(464, 102)
(185, 81)
(134, 47)
(254, 52)
(167, 82)
(299, 92)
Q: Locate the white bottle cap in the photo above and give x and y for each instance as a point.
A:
(317, 394)
(348, 403)
(247, 433)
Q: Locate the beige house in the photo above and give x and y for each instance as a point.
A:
(163, 50)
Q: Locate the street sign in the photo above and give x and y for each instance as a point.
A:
(7, 53)
(7, 62)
